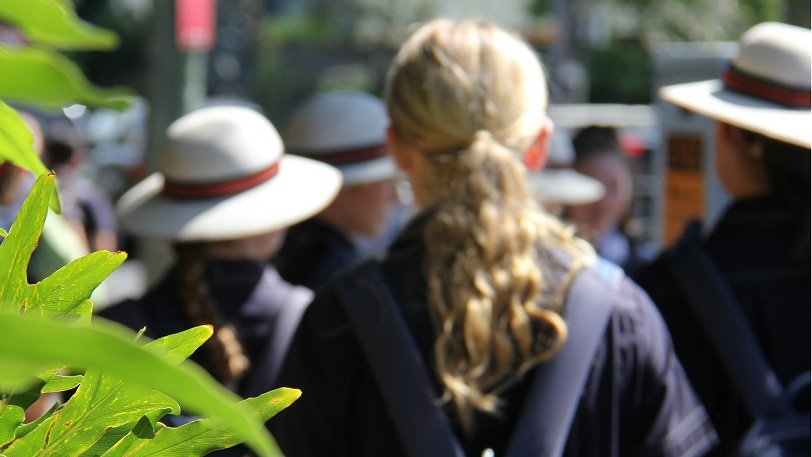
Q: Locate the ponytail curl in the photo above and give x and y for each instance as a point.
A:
(485, 284)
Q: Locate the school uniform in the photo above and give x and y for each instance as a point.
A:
(249, 295)
(637, 400)
(313, 252)
(749, 246)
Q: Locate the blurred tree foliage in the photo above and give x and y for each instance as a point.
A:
(619, 64)
(345, 44)
(125, 65)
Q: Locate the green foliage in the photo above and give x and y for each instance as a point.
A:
(621, 73)
(38, 75)
(52, 81)
(127, 386)
(54, 23)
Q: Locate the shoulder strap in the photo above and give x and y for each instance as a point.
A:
(422, 426)
(558, 383)
(394, 358)
(263, 374)
(723, 322)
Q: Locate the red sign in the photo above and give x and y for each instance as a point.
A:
(194, 24)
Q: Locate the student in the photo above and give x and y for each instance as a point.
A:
(479, 278)
(760, 244)
(223, 196)
(87, 206)
(599, 154)
(346, 129)
(557, 186)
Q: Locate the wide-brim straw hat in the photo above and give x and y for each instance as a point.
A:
(223, 175)
(346, 129)
(565, 186)
(764, 90)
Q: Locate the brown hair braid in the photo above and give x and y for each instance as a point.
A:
(226, 359)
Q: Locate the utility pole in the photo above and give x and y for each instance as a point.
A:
(166, 75)
(177, 84)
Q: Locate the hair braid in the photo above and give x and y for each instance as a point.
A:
(226, 359)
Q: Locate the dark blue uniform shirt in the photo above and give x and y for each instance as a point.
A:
(312, 253)
(637, 400)
(749, 245)
(249, 295)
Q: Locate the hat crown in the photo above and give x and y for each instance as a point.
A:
(776, 52)
(336, 121)
(219, 143)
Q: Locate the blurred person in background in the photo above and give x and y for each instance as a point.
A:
(760, 245)
(15, 183)
(556, 185)
(88, 207)
(599, 154)
(346, 129)
(223, 196)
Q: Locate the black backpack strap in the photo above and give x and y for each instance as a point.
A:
(263, 374)
(410, 398)
(558, 384)
(724, 323)
(396, 364)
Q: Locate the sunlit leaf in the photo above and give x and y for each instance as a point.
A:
(61, 383)
(28, 427)
(69, 286)
(16, 249)
(37, 340)
(55, 23)
(143, 427)
(197, 437)
(52, 81)
(12, 409)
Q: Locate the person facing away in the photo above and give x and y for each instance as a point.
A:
(760, 244)
(598, 154)
(479, 277)
(346, 129)
(223, 195)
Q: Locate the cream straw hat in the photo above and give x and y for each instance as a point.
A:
(223, 175)
(765, 89)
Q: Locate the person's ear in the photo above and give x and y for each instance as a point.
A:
(401, 152)
(535, 157)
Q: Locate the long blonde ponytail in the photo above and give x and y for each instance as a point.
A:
(471, 97)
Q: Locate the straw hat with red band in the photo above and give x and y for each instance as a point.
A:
(765, 89)
(346, 129)
(224, 175)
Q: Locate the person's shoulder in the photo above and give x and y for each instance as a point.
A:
(327, 313)
(636, 323)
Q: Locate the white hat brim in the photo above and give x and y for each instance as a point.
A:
(565, 187)
(375, 170)
(711, 99)
(301, 189)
